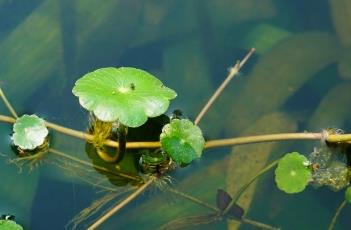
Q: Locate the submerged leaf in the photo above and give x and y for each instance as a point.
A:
(292, 175)
(126, 94)
(29, 132)
(182, 140)
(10, 225)
(223, 200)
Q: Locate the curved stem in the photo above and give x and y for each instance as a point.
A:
(336, 215)
(120, 205)
(232, 72)
(243, 188)
(105, 156)
(332, 138)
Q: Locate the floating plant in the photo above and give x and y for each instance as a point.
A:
(127, 95)
(30, 132)
(292, 175)
(122, 98)
(182, 140)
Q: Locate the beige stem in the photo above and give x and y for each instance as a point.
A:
(333, 138)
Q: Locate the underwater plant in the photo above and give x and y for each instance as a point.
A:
(122, 100)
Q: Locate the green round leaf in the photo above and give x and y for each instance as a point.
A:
(126, 94)
(182, 140)
(10, 225)
(292, 175)
(29, 132)
(348, 194)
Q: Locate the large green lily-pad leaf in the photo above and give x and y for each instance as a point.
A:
(29, 132)
(9, 225)
(292, 175)
(126, 94)
(182, 140)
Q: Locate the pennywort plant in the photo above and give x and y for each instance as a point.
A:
(123, 100)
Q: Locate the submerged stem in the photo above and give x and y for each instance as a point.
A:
(120, 205)
(192, 199)
(243, 188)
(336, 215)
(258, 224)
(122, 140)
(232, 72)
(105, 156)
(127, 176)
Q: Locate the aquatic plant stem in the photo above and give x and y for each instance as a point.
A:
(122, 140)
(8, 104)
(87, 136)
(266, 138)
(258, 224)
(336, 215)
(216, 210)
(75, 159)
(192, 199)
(232, 72)
(121, 205)
(243, 188)
(332, 138)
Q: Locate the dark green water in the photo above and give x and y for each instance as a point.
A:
(299, 79)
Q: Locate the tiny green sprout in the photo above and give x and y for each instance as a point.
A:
(124, 94)
(182, 140)
(29, 132)
(292, 175)
(10, 225)
(348, 194)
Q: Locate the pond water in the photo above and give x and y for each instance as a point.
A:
(298, 80)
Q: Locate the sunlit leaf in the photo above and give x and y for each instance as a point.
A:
(126, 94)
(29, 132)
(9, 225)
(292, 175)
(182, 140)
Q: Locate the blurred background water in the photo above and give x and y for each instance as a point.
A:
(299, 79)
